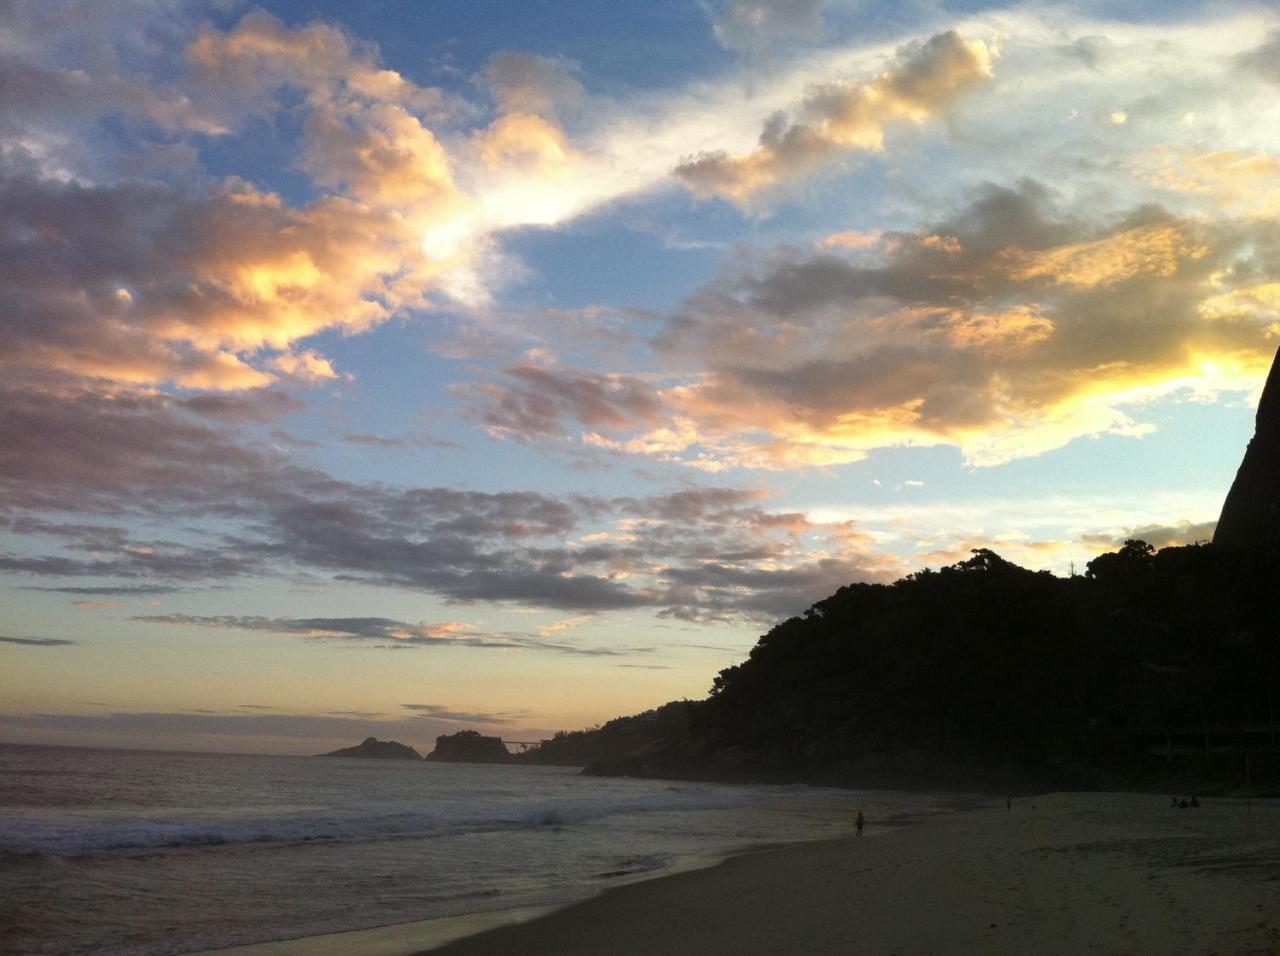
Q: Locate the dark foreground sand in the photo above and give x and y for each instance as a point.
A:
(1064, 873)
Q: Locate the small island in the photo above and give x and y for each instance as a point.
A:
(469, 746)
(377, 749)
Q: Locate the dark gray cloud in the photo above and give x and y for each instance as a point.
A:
(118, 590)
(1160, 536)
(255, 405)
(533, 401)
(164, 560)
(439, 712)
(400, 633)
(378, 441)
(37, 641)
(247, 510)
(81, 451)
(1091, 50)
(381, 441)
(1264, 60)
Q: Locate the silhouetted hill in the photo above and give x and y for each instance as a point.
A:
(468, 746)
(1251, 513)
(380, 749)
(614, 740)
(1149, 665)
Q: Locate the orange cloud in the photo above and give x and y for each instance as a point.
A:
(1242, 182)
(927, 79)
(1005, 331)
(524, 141)
(214, 291)
(1145, 251)
(848, 239)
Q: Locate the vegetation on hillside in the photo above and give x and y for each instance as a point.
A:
(989, 662)
(620, 736)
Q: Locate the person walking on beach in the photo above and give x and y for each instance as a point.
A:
(859, 822)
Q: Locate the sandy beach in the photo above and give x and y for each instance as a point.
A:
(1062, 873)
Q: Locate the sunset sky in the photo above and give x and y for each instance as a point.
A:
(400, 368)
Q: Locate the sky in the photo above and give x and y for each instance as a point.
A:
(394, 369)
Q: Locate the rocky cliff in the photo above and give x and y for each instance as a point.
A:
(1251, 514)
(468, 746)
(381, 749)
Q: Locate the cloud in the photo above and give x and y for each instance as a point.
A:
(1006, 330)
(382, 441)
(1263, 60)
(699, 552)
(174, 561)
(923, 82)
(37, 641)
(1161, 536)
(361, 628)
(253, 406)
(439, 712)
(756, 26)
(535, 400)
(82, 451)
(1236, 182)
(400, 633)
(121, 590)
(376, 441)
(143, 284)
(212, 287)
(525, 84)
(1157, 251)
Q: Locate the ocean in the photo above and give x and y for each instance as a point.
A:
(140, 852)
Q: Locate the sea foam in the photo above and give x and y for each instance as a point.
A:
(76, 835)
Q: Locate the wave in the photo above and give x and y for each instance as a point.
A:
(79, 836)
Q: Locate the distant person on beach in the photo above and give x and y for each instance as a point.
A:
(1173, 803)
(1182, 804)
(1008, 804)
(1194, 802)
(859, 822)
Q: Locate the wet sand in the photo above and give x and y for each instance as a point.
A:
(1063, 873)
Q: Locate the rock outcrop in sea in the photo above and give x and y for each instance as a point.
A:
(380, 749)
(468, 746)
(1251, 514)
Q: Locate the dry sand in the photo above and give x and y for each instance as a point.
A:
(1065, 873)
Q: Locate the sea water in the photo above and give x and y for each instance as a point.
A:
(135, 852)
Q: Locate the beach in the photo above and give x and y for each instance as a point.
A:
(1060, 873)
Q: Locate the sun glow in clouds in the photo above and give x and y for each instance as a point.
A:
(551, 358)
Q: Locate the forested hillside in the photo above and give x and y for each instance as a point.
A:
(1145, 657)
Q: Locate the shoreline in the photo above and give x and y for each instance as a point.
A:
(1059, 873)
(431, 935)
